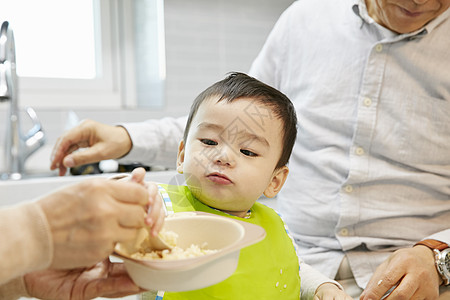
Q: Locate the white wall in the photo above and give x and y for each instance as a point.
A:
(205, 39)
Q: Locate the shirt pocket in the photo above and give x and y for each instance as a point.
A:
(425, 132)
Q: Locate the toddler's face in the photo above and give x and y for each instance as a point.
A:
(231, 152)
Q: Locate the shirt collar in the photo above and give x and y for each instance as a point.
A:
(360, 9)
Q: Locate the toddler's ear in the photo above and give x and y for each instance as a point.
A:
(278, 178)
(180, 157)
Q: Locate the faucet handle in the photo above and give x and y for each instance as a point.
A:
(36, 123)
(35, 137)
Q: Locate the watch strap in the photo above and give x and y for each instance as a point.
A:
(433, 244)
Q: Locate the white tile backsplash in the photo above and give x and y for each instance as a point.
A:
(207, 39)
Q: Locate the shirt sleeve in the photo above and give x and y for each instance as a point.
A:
(268, 65)
(13, 289)
(443, 236)
(311, 279)
(26, 241)
(155, 142)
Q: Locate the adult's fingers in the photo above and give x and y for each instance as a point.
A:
(128, 192)
(59, 151)
(412, 269)
(89, 155)
(382, 280)
(137, 175)
(404, 290)
(131, 216)
(154, 196)
(66, 144)
(114, 282)
(157, 218)
(156, 211)
(123, 235)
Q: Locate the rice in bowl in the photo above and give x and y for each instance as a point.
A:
(175, 253)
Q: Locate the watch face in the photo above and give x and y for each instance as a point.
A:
(446, 265)
(447, 261)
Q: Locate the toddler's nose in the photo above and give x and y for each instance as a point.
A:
(225, 157)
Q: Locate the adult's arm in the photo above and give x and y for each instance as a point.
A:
(105, 279)
(13, 289)
(75, 226)
(153, 142)
(26, 240)
(69, 229)
(311, 280)
(99, 141)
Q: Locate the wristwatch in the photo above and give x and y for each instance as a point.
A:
(441, 256)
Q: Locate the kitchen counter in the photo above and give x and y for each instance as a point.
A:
(16, 191)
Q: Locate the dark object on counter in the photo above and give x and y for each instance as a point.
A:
(87, 169)
(131, 167)
(90, 169)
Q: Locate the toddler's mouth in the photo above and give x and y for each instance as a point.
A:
(219, 178)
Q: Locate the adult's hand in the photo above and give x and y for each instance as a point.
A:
(100, 140)
(155, 208)
(414, 271)
(87, 219)
(105, 279)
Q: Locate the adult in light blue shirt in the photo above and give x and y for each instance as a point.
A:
(370, 172)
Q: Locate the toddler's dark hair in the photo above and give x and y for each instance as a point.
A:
(239, 85)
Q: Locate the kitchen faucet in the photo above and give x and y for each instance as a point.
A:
(18, 147)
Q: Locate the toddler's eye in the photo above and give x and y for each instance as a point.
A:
(248, 153)
(208, 142)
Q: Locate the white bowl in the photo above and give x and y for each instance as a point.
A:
(226, 235)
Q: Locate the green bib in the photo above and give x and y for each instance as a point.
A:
(266, 270)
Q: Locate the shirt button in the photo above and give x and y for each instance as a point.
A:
(367, 101)
(348, 188)
(379, 48)
(359, 151)
(343, 232)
